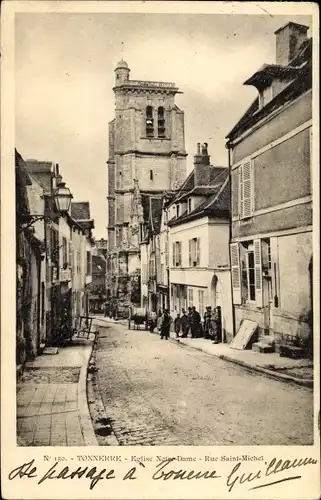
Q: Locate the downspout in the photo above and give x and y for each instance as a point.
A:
(230, 231)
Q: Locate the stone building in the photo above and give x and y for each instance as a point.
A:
(271, 171)
(146, 157)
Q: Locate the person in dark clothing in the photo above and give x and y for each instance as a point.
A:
(184, 324)
(165, 324)
(195, 322)
(177, 324)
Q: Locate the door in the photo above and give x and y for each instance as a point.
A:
(267, 295)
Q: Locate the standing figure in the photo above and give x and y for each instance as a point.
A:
(207, 321)
(159, 317)
(165, 324)
(195, 322)
(177, 324)
(184, 324)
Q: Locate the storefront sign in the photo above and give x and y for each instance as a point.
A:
(65, 275)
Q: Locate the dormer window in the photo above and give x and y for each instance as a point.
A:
(161, 122)
(190, 205)
(265, 96)
(149, 122)
(177, 211)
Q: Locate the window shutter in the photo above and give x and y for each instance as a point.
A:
(70, 254)
(174, 254)
(240, 191)
(198, 251)
(190, 252)
(179, 251)
(258, 272)
(236, 273)
(246, 196)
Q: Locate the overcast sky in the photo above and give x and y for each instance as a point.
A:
(65, 74)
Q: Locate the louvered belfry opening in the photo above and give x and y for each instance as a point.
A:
(161, 122)
(149, 122)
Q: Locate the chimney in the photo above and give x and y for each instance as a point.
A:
(202, 166)
(288, 40)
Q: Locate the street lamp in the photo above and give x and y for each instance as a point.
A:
(63, 199)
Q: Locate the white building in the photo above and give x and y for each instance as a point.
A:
(199, 242)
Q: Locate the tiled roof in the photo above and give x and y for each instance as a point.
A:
(80, 210)
(217, 176)
(217, 204)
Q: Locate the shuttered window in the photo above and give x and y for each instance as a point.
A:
(246, 189)
(194, 252)
(236, 274)
(258, 272)
(177, 253)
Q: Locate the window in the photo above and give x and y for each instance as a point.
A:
(177, 211)
(149, 122)
(161, 122)
(162, 273)
(88, 262)
(253, 269)
(151, 175)
(64, 253)
(246, 189)
(201, 302)
(190, 205)
(251, 274)
(194, 252)
(177, 253)
(166, 253)
(190, 297)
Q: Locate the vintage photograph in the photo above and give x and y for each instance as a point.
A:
(164, 229)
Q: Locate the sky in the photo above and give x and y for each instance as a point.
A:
(64, 74)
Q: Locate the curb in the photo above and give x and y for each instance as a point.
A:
(269, 373)
(85, 419)
(93, 384)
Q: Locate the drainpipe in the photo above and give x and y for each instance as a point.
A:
(230, 231)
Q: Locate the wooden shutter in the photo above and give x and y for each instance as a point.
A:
(198, 252)
(190, 252)
(246, 189)
(179, 253)
(240, 191)
(174, 254)
(258, 272)
(236, 273)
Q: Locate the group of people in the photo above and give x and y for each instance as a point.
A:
(111, 310)
(188, 322)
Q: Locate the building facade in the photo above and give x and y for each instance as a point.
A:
(198, 219)
(146, 157)
(271, 172)
(45, 175)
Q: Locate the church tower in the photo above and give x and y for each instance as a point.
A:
(146, 155)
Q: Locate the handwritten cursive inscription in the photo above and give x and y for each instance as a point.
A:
(239, 476)
(276, 470)
(163, 473)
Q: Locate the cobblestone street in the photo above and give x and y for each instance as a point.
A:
(158, 393)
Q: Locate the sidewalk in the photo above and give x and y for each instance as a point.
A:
(271, 364)
(299, 371)
(52, 407)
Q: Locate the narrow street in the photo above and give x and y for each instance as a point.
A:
(158, 393)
